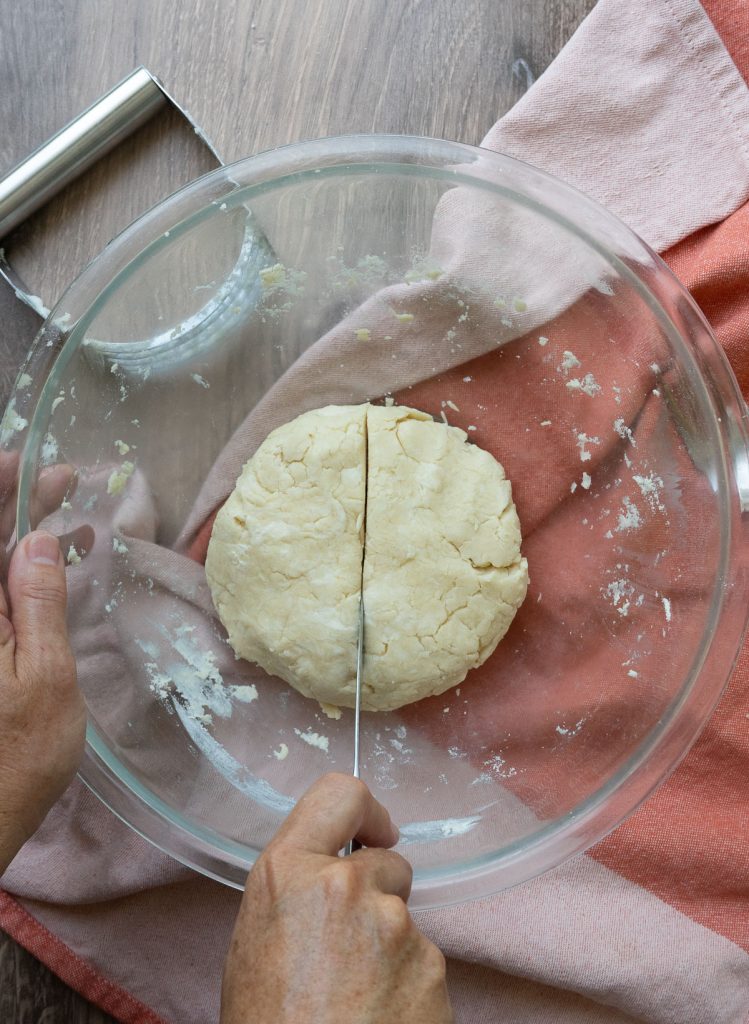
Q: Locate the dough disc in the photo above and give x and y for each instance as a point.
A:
(442, 572)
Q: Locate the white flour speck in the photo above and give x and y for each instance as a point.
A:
(583, 440)
(620, 593)
(498, 766)
(650, 488)
(588, 385)
(569, 362)
(543, 341)
(200, 380)
(50, 450)
(282, 753)
(571, 730)
(632, 674)
(629, 517)
(586, 481)
(624, 432)
(666, 608)
(118, 546)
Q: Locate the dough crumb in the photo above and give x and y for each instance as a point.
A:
(331, 710)
(314, 739)
(119, 477)
(363, 334)
(272, 277)
(122, 447)
(118, 546)
(282, 753)
(72, 557)
(245, 694)
(543, 341)
(405, 318)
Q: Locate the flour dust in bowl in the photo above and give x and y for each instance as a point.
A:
(485, 294)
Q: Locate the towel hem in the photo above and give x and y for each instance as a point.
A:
(71, 968)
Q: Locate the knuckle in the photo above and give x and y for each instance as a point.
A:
(433, 961)
(394, 920)
(47, 588)
(341, 880)
(345, 785)
(270, 871)
(48, 660)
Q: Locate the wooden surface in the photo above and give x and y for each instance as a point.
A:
(254, 75)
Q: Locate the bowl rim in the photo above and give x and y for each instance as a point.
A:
(600, 812)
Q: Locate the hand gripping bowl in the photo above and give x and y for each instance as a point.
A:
(482, 291)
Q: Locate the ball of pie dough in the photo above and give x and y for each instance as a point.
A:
(438, 559)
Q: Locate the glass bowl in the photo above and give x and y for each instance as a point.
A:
(490, 295)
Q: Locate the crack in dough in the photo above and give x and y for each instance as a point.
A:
(442, 571)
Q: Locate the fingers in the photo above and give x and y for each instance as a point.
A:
(332, 811)
(36, 586)
(55, 484)
(8, 478)
(386, 871)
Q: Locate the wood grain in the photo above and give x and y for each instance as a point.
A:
(254, 74)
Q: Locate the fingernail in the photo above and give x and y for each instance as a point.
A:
(43, 549)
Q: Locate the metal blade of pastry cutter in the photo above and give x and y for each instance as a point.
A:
(353, 845)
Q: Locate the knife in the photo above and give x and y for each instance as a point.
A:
(353, 845)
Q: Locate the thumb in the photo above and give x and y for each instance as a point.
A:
(36, 586)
